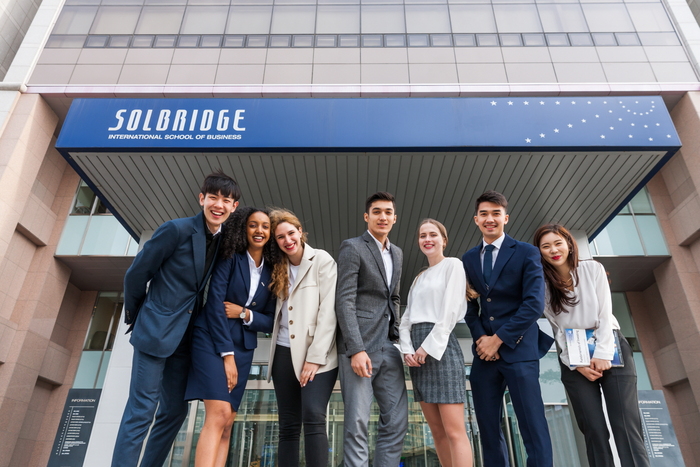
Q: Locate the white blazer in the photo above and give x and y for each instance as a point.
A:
(312, 321)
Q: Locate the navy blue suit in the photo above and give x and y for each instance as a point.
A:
(509, 306)
(214, 333)
(173, 260)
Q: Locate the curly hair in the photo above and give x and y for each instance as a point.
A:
(279, 285)
(558, 291)
(235, 237)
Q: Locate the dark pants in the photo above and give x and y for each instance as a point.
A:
(156, 383)
(619, 385)
(489, 381)
(297, 406)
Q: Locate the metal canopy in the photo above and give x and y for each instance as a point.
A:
(327, 190)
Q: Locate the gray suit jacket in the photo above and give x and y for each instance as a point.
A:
(363, 300)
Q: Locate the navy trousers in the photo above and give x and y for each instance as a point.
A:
(489, 381)
(157, 384)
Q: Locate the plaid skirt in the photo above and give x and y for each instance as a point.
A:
(438, 381)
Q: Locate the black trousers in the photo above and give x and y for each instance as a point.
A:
(619, 385)
(299, 406)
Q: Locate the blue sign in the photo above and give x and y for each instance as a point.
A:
(369, 123)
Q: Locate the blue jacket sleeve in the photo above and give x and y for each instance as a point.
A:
(264, 319)
(532, 305)
(214, 310)
(472, 317)
(145, 265)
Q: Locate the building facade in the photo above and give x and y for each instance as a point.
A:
(73, 210)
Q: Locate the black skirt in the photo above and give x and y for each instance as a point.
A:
(438, 381)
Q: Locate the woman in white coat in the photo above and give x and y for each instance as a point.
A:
(303, 358)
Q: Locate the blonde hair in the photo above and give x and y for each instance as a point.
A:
(280, 271)
(471, 293)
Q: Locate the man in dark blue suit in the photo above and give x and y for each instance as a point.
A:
(177, 261)
(507, 341)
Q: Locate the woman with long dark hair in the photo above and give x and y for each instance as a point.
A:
(578, 297)
(436, 301)
(224, 337)
(303, 358)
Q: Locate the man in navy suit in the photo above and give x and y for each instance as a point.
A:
(177, 261)
(507, 341)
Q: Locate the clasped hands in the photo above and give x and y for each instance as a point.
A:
(416, 359)
(595, 370)
(487, 347)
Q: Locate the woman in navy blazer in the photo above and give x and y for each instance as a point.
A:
(222, 348)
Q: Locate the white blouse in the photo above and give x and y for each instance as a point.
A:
(593, 311)
(438, 295)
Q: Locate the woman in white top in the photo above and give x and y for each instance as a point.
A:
(436, 301)
(578, 297)
(303, 358)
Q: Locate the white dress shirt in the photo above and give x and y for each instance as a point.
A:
(497, 244)
(283, 333)
(593, 311)
(385, 250)
(438, 295)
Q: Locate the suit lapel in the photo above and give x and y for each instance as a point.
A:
(304, 266)
(199, 248)
(374, 251)
(506, 251)
(244, 271)
(474, 259)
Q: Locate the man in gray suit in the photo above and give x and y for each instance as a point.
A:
(367, 306)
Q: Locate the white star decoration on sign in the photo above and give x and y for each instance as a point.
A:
(596, 121)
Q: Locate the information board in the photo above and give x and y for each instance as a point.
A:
(73, 434)
(659, 435)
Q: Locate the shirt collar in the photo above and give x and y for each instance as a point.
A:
(209, 232)
(251, 262)
(496, 243)
(387, 245)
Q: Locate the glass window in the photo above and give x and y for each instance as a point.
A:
(302, 41)
(257, 41)
(534, 40)
(395, 40)
(649, 17)
(211, 41)
(343, 19)
(96, 41)
(511, 40)
(187, 41)
(293, 20)
(249, 20)
(332, 2)
(72, 236)
(566, 17)
(641, 204)
(209, 2)
(160, 20)
(105, 237)
(234, 41)
(204, 20)
(620, 238)
(465, 40)
(652, 236)
(659, 38)
(441, 40)
(84, 200)
(142, 41)
(295, 2)
(122, 2)
(517, 18)
(581, 40)
(557, 40)
(75, 20)
(82, 2)
(374, 40)
(119, 41)
(280, 41)
(383, 19)
(326, 41)
(166, 2)
(418, 40)
(472, 18)
(66, 42)
(348, 41)
(627, 38)
(116, 20)
(604, 38)
(165, 41)
(607, 17)
(487, 40)
(427, 18)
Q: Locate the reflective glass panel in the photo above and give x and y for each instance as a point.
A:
(487, 40)
(257, 41)
(116, 20)
(142, 41)
(395, 40)
(326, 41)
(511, 40)
(441, 40)
(550, 379)
(72, 235)
(187, 41)
(105, 236)
(280, 41)
(418, 40)
(652, 236)
(204, 20)
(465, 40)
(472, 18)
(567, 17)
(374, 40)
(348, 41)
(427, 18)
(338, 19)
(607, 17)
(649, 17)
(604, 38)
(249, 20)
(302, 41)
(96, 41)
(293, 20)
(534, 40)
(557, 40)
(580, 40)
(627, 38)
(165, 41)
(517, 18)
(75, 20)
(383, 19)
(234, 41)
(68, 42)
(641, 204)
(211, 41)
(620, 238)
(160, 20)
(659, 38)
(119, 41)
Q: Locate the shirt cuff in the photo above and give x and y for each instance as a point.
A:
(250, 313)
(224, 354)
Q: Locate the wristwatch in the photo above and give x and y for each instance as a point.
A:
(243, 314)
